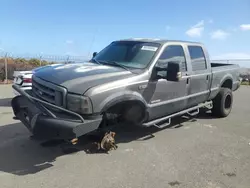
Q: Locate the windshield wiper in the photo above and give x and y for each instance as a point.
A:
(96, 61)
(117, 64)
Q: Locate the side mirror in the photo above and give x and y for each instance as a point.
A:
(173, 71)
(94, 54)
(160, 72)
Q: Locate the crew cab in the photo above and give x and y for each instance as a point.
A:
(142, 81)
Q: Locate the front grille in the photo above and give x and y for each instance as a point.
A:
(48, 92)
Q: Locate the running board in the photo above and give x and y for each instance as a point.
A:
(162, 125)
(194, 113)
(156, 122)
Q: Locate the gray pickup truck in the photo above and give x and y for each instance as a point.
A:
(144, 82)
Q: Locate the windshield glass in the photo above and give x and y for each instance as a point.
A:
(132, 54)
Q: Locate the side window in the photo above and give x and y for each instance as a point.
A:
(198, 59)
(173, 53)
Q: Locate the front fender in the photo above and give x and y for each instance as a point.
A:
(122, 97)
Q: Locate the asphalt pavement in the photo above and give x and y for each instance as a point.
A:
(202, 152)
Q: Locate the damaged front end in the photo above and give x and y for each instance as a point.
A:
(46, 120)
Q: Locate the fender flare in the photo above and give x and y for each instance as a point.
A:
(226, 77)
(122, 97)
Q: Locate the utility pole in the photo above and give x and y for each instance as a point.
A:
(67, 61)
(6, 67)
(40, 60)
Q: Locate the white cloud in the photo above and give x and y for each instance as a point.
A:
(69, 41)
(245, 27)
(219, 34)
(196, 30)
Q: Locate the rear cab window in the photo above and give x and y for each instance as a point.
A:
(198, 60)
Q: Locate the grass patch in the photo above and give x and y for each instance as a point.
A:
(245, 83)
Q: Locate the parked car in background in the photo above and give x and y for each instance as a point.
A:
(23, 79)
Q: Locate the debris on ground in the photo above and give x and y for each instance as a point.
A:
(106, 144)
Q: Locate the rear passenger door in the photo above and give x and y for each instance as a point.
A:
(200, 78)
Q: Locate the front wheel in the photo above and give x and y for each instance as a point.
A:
(222, 103)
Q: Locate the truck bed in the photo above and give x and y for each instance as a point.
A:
(223, 66)
(220, 72)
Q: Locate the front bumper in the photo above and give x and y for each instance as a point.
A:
(45, 120)
(16, 93)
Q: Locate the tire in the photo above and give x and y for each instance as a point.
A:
(222, 103)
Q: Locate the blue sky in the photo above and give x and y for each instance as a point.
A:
(80, 27)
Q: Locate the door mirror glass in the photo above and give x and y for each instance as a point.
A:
(174, 71)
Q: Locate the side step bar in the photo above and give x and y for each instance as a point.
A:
(165, 121)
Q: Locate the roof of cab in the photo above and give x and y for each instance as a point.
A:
(160, 41)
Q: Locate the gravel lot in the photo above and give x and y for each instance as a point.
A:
(201, 152)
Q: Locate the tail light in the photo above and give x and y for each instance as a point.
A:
(27, 80)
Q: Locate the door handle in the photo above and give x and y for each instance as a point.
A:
(207, 77)
(188, 80)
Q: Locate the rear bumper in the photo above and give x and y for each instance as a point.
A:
(43, 122)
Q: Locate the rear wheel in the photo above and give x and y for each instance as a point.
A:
(222, 103)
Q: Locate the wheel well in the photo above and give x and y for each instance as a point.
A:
(227, 84)
(118, 108)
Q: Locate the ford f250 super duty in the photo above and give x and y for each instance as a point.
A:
(142, 81)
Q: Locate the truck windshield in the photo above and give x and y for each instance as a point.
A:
(130, 54)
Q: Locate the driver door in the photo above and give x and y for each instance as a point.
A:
(169, 97)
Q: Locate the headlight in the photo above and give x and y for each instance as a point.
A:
(78, 103)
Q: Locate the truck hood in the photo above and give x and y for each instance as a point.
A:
(79, 77)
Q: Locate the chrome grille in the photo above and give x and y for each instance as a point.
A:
(48, 92)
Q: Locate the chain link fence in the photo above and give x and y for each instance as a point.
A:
(13, 62)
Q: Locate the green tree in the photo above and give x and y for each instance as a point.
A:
(34, 61)
(20, 60)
